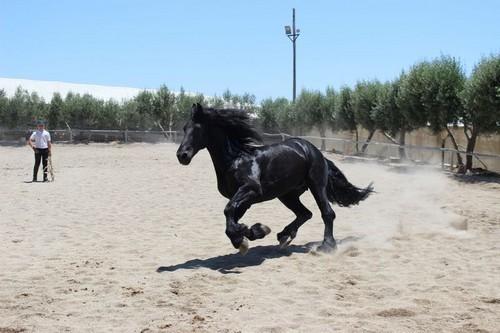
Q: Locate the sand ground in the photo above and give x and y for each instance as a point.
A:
(81, 254)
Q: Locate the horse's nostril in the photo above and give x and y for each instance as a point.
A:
(184, 157)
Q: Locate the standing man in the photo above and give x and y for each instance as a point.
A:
(41, 144)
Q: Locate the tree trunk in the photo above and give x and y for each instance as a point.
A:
(322, 134)
(390, 138)
(471, 144)
(365, 145)
(357, 140)
(165, 134)
(402, 142)
(460, 162)
(443, 145)
(170, 122)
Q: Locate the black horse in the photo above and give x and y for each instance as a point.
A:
(249, 172)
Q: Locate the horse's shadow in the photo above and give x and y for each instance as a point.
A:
(226, 264)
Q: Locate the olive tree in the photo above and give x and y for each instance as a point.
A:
(184, 102)
(163, 109)
(430, 93)
(144, 107)
(4, 107)
(55, 116)
(389, 117)
(345, 116)
(364, 104)
(313, 111)
(481, 97)
(268, 115)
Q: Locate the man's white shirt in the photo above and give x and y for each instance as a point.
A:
(41, 138)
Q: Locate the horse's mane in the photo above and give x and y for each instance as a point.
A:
(235, 124)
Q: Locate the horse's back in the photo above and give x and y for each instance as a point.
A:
(283, 167)
(307, 149)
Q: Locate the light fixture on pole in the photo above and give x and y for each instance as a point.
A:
(293, 34)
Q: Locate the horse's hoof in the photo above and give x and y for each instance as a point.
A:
(327, 247)
(258, 231)
(285, 241)
(243, 246)
(265, 229)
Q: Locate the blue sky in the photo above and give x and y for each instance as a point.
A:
(208, 46)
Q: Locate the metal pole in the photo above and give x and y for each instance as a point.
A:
(293, 33)
(294, 54)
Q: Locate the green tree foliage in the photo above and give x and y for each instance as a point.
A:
(108, 115)
(430, 93)
(411, 91)
(365, 97)
(274, 114)
(313, 110)
(144, 107)
(389, 117)
(227, 97)
(163, 107)
(4, 108)
(268, 115)
(17, 108)
(433, 94)
(128, 116)
(247, 102)
(330, 100)
(36, 108)
(184, 103)
(481, 97)
(345, 116)
(231, 100)
(215, 102)
(55, 116)
(445, 79)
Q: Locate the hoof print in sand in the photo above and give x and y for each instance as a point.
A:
(396, 312)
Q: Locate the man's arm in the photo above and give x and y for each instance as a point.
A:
(30, 141)
(49, 142)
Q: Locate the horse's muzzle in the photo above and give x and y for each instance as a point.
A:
(184, 157)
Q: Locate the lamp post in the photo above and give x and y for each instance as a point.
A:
(293, 34)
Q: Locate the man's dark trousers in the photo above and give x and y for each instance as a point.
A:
(43, 155)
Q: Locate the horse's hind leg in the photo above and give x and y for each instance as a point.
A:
(292, 202)
(317, 185)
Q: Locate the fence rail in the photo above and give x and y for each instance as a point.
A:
(443, 155)
(384, 144)
(72, 135)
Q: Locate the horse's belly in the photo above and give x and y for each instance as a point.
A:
(282, 183)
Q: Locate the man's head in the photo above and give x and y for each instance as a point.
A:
(40, 125)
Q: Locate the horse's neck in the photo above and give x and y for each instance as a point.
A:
(221, 156)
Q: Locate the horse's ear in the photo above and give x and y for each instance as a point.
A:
(196, 111)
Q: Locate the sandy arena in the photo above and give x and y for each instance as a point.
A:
(81, 254)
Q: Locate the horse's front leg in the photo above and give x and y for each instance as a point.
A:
(239, 233)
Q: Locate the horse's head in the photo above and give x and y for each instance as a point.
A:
(194, 136)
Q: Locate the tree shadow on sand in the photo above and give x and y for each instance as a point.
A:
(226, 264)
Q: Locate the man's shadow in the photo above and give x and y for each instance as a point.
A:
(226, 264)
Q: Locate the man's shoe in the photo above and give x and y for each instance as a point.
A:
(34, 180)
(45, 180)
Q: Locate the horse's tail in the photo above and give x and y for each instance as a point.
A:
(339, 189)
